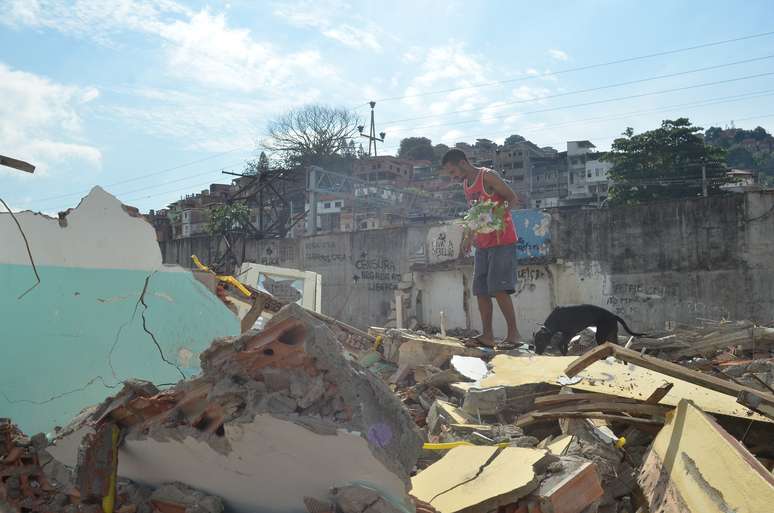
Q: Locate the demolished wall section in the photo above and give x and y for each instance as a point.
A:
(106, 309)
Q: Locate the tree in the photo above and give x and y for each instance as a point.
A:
(313, 134)
(257, 166)
(416, 148)
(513, 139)
(227, 218)
(664, 163)
(740, 157)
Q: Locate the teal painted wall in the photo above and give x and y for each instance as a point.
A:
(56, 342)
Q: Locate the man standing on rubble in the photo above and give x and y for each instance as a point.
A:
(494, 264)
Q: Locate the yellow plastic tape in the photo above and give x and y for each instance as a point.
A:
(228, 279)
(377, 342)
(451, 445)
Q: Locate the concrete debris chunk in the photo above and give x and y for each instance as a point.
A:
(177, 497)
(359, 498)
(572, 488)
(285, 401)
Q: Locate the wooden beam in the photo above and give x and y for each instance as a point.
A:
(589, 357)
(539, 416)
(615, 407)
(749, 397)
(579, 397)
(659, 393)
(16, 164)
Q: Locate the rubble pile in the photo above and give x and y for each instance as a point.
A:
(310, 414)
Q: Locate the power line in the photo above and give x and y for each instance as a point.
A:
(589, 90)
(708, 102)
(580, 68)
(151, 174)
(189, 177)
(608, 100)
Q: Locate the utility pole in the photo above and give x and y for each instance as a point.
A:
(704, 179)
(312, 230)
(372, 139)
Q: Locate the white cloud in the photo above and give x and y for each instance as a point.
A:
(40, 120)
(206, 50)
(558, 55)
(202, 121)
(445, 67)
(527, 93)
(98, 20)
(327, 17)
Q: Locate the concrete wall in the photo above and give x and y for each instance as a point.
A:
(655, 265)
(103, 311)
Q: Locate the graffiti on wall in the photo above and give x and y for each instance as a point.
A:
(530, 274)
(629, 298)
(324, 252)
(378, 272)
(442, 246)
(533, 229)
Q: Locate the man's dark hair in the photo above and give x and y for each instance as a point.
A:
(454, 156)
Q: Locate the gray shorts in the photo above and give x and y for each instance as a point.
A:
(494, 270)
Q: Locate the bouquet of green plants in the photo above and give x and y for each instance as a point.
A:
(485, 217)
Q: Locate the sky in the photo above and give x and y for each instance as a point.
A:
(154, 99)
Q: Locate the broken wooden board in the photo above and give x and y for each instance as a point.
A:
(694, 466)
(471, 478)
(539, 416)
(614, 378)
(762, 402)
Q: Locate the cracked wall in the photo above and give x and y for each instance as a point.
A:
(106, 310)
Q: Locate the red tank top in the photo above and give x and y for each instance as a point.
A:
(477, 192)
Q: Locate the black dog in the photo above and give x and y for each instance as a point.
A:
(567, 321)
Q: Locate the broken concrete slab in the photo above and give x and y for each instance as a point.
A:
(257, 431)
(106, 310)
(485, 401)
(417, 350)
(442, 412)
(609, 377)
(694, 466)
(471, 479)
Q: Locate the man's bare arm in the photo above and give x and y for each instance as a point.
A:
(496, 184)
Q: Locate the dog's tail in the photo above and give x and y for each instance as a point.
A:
(629, 331)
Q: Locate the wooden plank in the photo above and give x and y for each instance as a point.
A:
(16, 164)
(609, 376)
(659, 393)
(754, 397)
(571, 398)
(598, 353)
(540, 416)
(611, 406)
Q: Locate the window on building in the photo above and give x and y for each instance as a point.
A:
(572, 178)
(338, 204)
(521, 153)
(518, 165)
(327, 204)
(589, 175)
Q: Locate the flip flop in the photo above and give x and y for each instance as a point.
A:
(477, 342)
